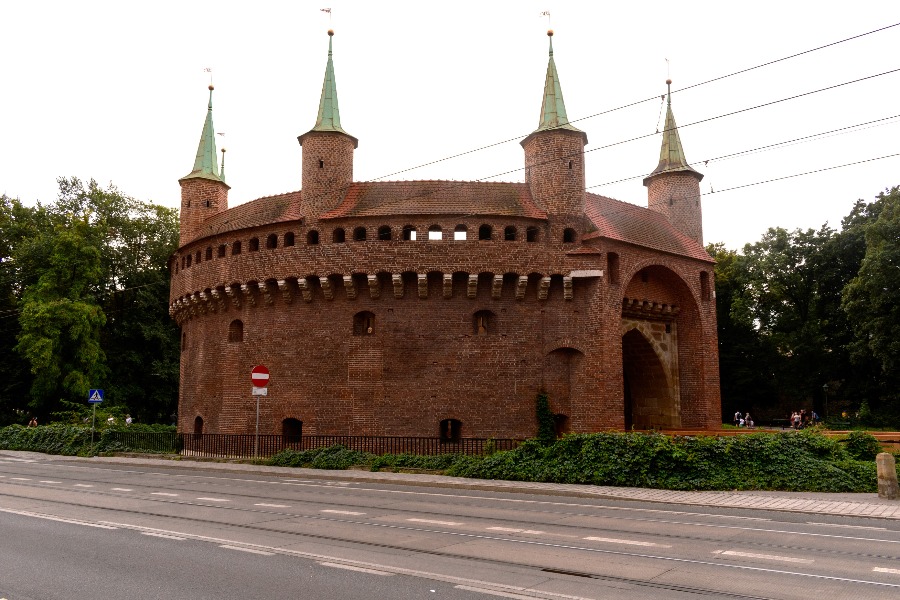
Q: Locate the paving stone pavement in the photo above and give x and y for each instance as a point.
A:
(847, 504)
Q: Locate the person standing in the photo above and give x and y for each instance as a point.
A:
(737, 418)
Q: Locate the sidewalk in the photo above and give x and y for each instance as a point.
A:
(812, 503)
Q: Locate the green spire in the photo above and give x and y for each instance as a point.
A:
(206, 164)
(553, 109)
(671, 155)
(329, 118)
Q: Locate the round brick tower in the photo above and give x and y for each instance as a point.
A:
(327, 152)
(203, 190)
(673, 188)
(554, 158)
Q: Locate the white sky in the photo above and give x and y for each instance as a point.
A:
(116, 91)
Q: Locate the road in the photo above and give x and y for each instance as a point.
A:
(78, 528)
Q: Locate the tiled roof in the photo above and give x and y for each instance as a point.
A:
(262, 211)
(641, 226)
(386, 198)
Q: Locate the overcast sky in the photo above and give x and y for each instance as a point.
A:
(116, 91)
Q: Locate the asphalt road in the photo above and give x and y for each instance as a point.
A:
(78, 529)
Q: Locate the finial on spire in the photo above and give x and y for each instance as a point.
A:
(671, 155)
(549, 33)
(331, 33)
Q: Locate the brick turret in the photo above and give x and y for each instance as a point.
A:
(554, 157)
(673, 188)
(327, 152)
(203, 190)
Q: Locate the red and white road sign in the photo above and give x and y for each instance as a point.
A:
(259, 376)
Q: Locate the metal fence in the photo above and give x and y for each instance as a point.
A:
(221, 445)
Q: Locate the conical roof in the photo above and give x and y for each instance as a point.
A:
(329, 116)
(206, 164)
(671, 154)
(553, 107)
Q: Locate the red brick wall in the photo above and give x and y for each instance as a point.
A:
(324, 186)
(677, 196)
(554, 171)
(200, 199)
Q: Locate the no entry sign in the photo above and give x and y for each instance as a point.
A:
(259, 376)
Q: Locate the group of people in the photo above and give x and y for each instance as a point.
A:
(743, 420)
(802, 419)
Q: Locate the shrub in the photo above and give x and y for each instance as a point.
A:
(862, 445)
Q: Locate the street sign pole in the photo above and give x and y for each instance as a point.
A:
(259, 377)
(95, 397)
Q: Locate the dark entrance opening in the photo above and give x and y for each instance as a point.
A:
(292, 431)
(648, 400)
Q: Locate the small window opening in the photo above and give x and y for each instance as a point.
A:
(189, 204)
(291, 431)
(198, 257)
(189, 259)
(254, 244)
(209, 253)
(207, 204)
(312, 238)
(484, 232)
(198, 425)
(459, 234)
(570, 165)
(359, 234)
(222, 250)
(568, 235)
(482, 322)
(671, 201)
(338, 237)
(612, 265)
(409, 233)
(363, 323)
(289, 239)
(384, 233)
(561, 424)
(509, 234)
(271, 241)
(236, 248)
(321, 164)
(451, 430)
(236, 331)
(435, 234)
(531, 234)
(668, 328)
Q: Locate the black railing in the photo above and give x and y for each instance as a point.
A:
(221, 445)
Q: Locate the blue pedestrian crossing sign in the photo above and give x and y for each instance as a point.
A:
(95, 396)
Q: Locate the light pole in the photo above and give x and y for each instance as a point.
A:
(825, 389)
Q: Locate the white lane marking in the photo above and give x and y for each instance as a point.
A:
(250, 550)
(790, 559)
(452, 579)
(20, 479)
(886, 570)
(215, 499)
(342, 512)
(480, 590)
(85, 485)
(358, 569)
(48, 481)
(847, 526)
(273, 505)
(122, 490)
(452, 523)
(35, 515)
(162, 494)
(514, 530)
(629, 542)
(163, 535)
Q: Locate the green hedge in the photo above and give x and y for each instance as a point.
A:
(69, 440)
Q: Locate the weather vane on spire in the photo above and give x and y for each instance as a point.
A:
(209, 70)
(327, 10)
(546, 13)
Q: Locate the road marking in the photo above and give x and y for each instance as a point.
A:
(434, 522)
(122, 490)
(629, 542)
(163, 536)
(20, 479)
(273, 505)
(48, 481)
(250, 550)
(83, 485)
(885, 570)
(514, 530)
(847, 526)
(162, 494)
(341, 512)
(790, 559)
(215, 499)
(352, 568)
(26, 513)
(479, 590)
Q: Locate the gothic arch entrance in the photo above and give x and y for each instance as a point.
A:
(650, 395)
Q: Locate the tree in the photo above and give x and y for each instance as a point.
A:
(872, 298)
